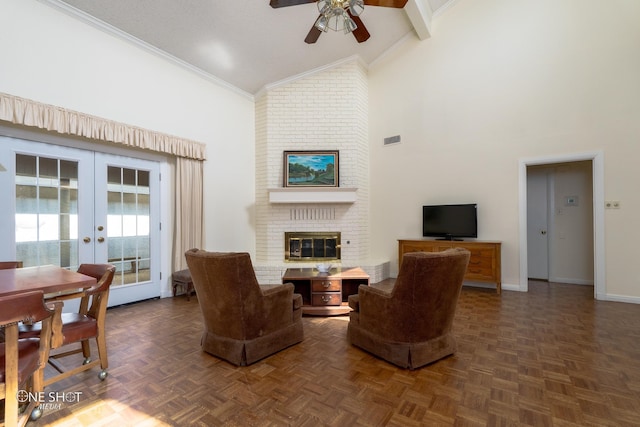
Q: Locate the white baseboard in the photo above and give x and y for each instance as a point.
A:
(618, 298)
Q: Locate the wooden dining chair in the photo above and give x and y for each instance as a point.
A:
(22, 361)
(7, 265)
(78, 328)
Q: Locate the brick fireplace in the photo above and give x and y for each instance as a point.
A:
(293, 116)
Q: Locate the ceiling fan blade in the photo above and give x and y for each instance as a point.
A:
(313, 35)
(285, 3)
(386, 3)
(361, 33)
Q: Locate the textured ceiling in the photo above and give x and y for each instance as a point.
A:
(245, 43)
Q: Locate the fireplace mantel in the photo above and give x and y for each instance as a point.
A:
(312, 195)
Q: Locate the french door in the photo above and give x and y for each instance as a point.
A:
(75, 206)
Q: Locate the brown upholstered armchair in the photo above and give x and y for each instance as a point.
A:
(243, 322)
(410, 325)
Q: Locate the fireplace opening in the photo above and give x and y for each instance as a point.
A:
(311, 246)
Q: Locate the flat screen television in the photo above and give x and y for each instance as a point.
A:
(450, 222)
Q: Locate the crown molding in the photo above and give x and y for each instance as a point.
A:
(111, 30)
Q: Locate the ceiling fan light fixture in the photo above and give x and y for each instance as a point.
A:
(324, 6)
(334, 15)
(322, 23)
(335, 20)
(356, 7)
(349, 24)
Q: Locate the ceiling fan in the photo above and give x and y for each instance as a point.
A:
(339, 15)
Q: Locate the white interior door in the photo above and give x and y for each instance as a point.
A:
(73, 206)
(537, 224)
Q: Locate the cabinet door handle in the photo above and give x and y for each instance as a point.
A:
(326, 298)
(326, 284)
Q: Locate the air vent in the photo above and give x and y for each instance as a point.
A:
(392, 140)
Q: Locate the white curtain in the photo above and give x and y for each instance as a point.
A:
(189, 227)
(190, 156)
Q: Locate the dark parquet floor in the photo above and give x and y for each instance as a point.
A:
(550, 357)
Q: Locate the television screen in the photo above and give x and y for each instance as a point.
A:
(450, 221)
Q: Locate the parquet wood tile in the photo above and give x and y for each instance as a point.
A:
(549, 357)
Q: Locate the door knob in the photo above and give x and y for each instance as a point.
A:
(87, 239)
(100, 239)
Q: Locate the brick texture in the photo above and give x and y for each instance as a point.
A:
(324, 111)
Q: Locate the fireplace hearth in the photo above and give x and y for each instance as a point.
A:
(312, 246)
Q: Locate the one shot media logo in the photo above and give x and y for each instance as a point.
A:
(49, 400)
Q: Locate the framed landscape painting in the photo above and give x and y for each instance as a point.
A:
(311, 168)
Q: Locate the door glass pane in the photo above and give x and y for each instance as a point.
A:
(46, 211)
(128, 213)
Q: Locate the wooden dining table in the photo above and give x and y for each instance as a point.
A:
(49, 279)
(53, 281)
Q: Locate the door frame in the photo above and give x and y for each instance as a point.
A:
(597, 160)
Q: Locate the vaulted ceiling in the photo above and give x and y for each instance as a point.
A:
(247, 44)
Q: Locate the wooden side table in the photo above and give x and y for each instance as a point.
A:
(183, 280)
(326, 294)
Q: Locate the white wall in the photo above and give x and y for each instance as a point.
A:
(50, 57)
(499, 81)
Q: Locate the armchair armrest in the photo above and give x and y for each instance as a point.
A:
(279, 303)
(275, 289)
(268, 290)
(376, 307)
(365, 292)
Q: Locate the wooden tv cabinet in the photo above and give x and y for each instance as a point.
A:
(484, 264)
(326, 294)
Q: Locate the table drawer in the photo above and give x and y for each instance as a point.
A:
(328, 298)
(325, 285)
(475, 273)
(480, 262)
(406, 248)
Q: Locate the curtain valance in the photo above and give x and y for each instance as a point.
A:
(26, 112)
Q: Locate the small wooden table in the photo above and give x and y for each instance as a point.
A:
(326, 294)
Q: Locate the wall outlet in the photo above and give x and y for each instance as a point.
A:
(612, 204)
